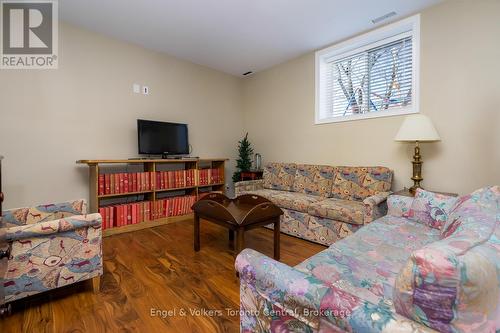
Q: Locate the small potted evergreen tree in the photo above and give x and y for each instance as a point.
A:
(244, 161)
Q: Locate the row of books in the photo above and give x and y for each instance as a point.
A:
(174, 206)
(210, 176)
(122, 183)
(120, 215)
(119, 183)
(138, 212)
(175, 179)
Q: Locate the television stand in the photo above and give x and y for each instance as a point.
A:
(102, 197)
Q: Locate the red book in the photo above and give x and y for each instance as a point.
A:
(181, 203)
(117, 183)
(139, 212)
(121, 179)
(175, 203)
(171, 179)
(101, 184)
(146, 181)
(116, 222)
(111, 217)
(160, 208)
(117, 216)
(126, 185)
(107, 184)
(134, 182)
(158, 181)
(123, 215)
(102, 211)
(112, 184)
(129, 214)
(134, 214)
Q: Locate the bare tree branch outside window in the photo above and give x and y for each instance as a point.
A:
(379, 79)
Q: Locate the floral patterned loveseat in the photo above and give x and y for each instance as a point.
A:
(323, 203)
(51, 246)
(431, 264)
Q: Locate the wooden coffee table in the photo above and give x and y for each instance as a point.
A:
(244, 213)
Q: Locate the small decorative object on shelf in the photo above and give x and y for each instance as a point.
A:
(257, 161)
(244, 161)
(417, 128)
(160, 192)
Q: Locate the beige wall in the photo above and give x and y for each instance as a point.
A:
(86, 109)
(460, 91)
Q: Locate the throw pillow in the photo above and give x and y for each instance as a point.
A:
(431, 208)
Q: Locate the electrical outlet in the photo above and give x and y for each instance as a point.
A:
(145, 90)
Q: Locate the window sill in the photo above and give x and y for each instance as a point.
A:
(370, 115)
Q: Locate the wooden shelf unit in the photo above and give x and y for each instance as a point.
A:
(96, 167)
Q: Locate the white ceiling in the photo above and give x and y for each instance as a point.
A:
(233, 36)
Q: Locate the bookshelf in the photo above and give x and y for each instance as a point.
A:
(98, 199)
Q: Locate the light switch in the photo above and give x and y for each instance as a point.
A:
(136, 88)
(145, 90)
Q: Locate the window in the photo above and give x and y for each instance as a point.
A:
(373, 75)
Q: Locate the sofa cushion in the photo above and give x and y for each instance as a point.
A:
(358, 183)
(279, 176)
(377, 179)
(453, 284)
(340, 210)
(431, 208)
(290, 200)
(314, 179)
(367, 262)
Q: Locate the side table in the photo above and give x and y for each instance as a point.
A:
(251, 175)
(406, 192)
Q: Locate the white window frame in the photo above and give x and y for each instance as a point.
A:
(409, 26)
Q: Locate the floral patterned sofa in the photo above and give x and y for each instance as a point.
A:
(431, 264)
(323, 203)
(51, 246)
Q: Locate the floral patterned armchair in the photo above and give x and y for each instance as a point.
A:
(50, 246)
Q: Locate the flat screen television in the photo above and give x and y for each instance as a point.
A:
(156, 137)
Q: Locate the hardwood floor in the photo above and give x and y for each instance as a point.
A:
(155, 269)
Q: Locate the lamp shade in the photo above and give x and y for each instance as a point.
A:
(417, 127)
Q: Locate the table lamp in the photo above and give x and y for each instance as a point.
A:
(417, 128)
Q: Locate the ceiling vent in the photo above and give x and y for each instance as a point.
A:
(383, 17)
